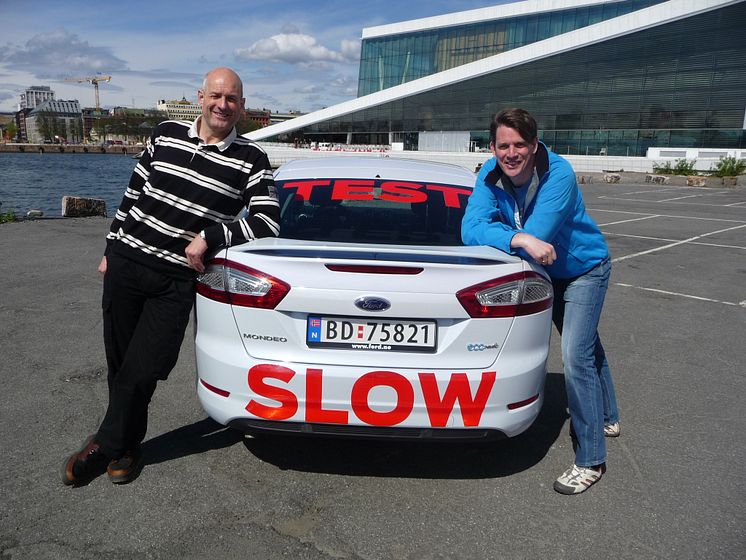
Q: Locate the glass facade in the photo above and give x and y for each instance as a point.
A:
(396, 59)
(682, 84)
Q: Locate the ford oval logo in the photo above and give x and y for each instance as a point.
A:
(371, 303)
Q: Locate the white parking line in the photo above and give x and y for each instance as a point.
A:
(648, 201)
(656, 249)
(668, 216)
(679, 198)
(740, 304)
(653, 191)
(737, 203)
(630, 220)
(718, 245)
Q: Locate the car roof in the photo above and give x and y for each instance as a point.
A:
(367, 167)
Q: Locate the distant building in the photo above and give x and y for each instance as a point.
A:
(275, 118)
(35, 96)
(20, 116)
(90, 116)
(134, 112)
(180, 110)
(259, 116)
(55, 121)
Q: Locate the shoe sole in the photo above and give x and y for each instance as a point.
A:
(572, 490)
(568, 490)
(66, 473)
(128, 476)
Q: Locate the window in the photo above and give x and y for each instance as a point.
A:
(372, 211)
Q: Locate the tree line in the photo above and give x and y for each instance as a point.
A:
(129, 128)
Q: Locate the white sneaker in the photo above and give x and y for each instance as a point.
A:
(612, 430)
(578, 479)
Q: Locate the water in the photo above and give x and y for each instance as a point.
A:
(39, 181)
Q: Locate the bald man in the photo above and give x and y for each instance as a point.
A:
(191, 182)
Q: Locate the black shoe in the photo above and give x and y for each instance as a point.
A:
(127, 468)
(84, 465)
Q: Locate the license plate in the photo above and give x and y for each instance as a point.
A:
(371, 334)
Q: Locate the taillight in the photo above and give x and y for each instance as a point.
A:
(522, 293)
(236, 284)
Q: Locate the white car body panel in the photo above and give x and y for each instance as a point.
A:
(255, 365)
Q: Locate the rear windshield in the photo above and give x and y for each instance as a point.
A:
(372, 211)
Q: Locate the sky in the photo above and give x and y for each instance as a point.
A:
(298, 55)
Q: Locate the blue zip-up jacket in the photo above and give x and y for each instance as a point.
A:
(553, 212)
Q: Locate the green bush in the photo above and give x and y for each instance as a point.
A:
(679, 167)
(729, 167)
(7, 217)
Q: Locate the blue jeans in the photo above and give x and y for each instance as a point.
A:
(590, 391)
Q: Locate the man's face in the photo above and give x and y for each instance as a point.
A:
(222, 104)
(514, 154)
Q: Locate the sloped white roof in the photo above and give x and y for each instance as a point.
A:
(491, 13)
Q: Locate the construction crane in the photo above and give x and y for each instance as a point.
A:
(92, 80)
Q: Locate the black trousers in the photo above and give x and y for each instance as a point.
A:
(145, 315)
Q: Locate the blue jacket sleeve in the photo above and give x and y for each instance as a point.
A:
(554, 203)
(486, 221)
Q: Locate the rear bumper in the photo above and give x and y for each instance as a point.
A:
(295, 405)
(251, 426)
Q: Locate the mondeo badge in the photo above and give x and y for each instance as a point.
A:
(371, 303)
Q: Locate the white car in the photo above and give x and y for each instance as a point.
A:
(368, 317)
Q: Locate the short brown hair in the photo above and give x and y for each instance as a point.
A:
(517, 119)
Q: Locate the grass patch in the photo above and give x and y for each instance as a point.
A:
(678, 167)
(7, 217)
(729, 167)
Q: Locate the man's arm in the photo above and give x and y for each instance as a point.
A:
(139, 177)
(137, 180)
(541, 251)
(262, 219)
(483, 222)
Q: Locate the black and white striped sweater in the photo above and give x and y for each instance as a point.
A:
(182, 186)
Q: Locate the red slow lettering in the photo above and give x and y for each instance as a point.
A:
(288, 401)
(439, 409)
(314, 412)
(353, 189)
(400, 191)
(404, 398)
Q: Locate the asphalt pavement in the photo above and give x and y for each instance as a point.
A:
(673, 327)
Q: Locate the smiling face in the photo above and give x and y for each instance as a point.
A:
(222, 104)
(515, 155)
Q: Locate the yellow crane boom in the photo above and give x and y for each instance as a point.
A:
(92, 80)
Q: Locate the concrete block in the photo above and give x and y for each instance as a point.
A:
(612, 178)
(657, 179)
(730, 181)
(79, 207)
(696, 181)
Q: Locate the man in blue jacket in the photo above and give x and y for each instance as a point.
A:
(526, 201)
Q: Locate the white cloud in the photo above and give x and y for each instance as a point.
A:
(351, 49)
(343, 86)
(59, 53)
(310, 88)
(296, 48)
